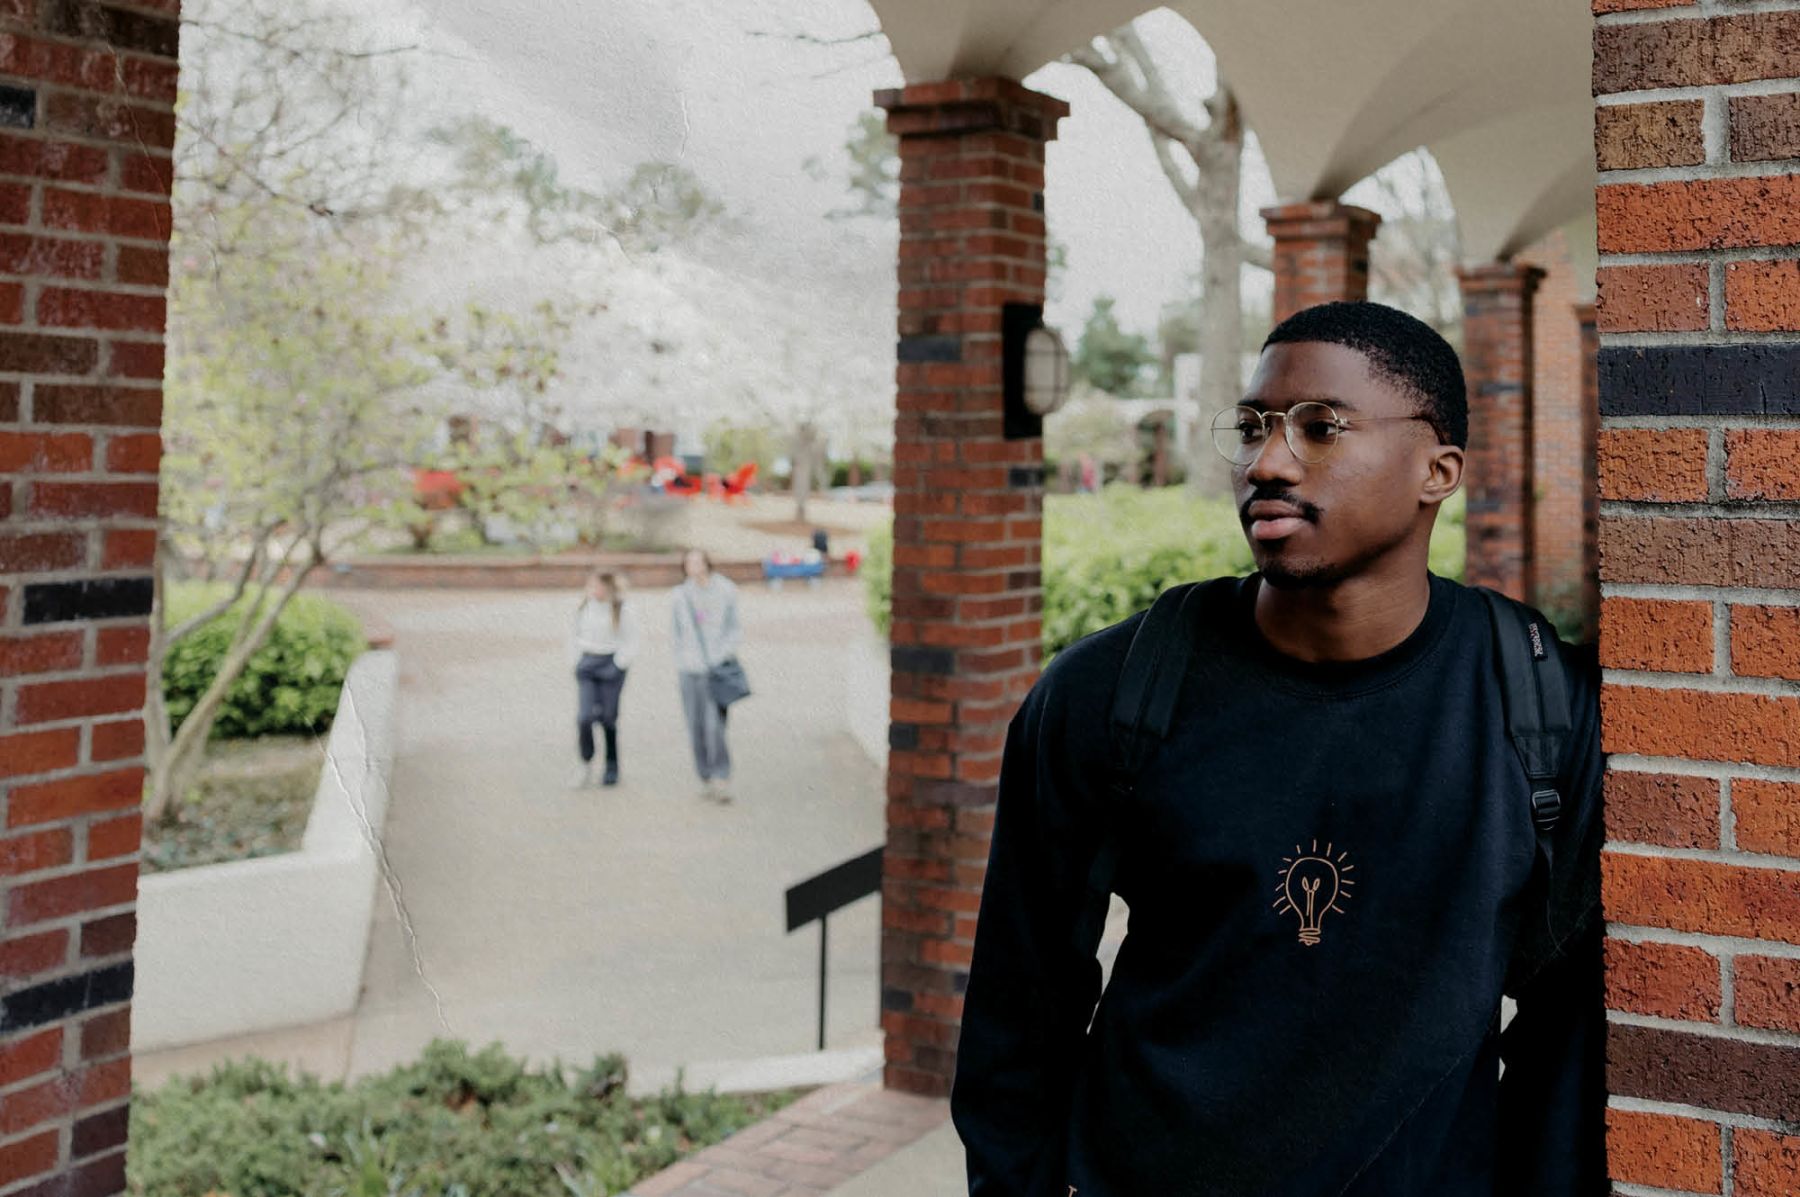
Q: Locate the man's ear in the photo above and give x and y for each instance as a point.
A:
(1443, 474)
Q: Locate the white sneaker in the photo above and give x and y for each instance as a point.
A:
(721, 790)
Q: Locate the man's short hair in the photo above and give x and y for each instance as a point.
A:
(1400, 348)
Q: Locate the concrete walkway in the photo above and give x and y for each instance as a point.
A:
(567, 923)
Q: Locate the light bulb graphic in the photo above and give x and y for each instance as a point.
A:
(1313, 884)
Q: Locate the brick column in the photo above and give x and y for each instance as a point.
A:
(1321, 253)
(86, 128)
(967, 615)
(1700, 610)
(1497, 356)
(1585, 321)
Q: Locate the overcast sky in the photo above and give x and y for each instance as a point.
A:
(731, 90)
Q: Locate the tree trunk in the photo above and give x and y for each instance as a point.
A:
(1221, 314)
(177, 765)
(804, 450)
(156, 712)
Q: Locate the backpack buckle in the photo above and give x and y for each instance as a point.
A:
(1546, 809)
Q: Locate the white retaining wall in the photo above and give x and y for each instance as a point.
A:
(255, 945)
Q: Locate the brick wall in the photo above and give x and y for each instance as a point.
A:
(1321, 253)
(1699, 311)
(1498, 313)
(968, 504)
(1562, 436)
(86, 127)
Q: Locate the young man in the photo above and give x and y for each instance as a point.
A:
(1330, 861)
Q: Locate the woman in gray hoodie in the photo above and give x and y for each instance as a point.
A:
(706, 632)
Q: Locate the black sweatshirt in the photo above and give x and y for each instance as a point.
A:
(1328, 867)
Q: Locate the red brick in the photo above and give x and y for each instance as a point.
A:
(1767, 816)
(1627, 5)
(1760, 463)
(1702, 896)
(46, 701)
(144, 267)
(15, 203)
(136, 359)
(51, 256)
(1653, 465)
(1663, 980)
(1664, 1152)
(39, 752)
(113, 311)
(36, 852)
(106, 1034)
(35, 1106)
(85, 499)
(1762, 296)
(127, 645)
(58, 160)
(87, 794)
(60, 897)
(1763, 553)
(1727, 49)
(1765, 641)
(45, 452)
(136, 454)
(1699, 725)
(1666, 809)
(26, 1057)
(42, 653)
(24, 956)
(86, 212)
(1765, 128)
(127, 547)
(117, 741)
(1702, 214)
(109, 120)
(1665, 133)
(1656, 634)
(28, 1157)
(37, 353)
(108, 936)
(1654, 298)
(1764, 1164)
(1766, 993)
(134, 407)
(12, 303)
(110, 1080)
(115, 837)
(42, 552)
(152, 175)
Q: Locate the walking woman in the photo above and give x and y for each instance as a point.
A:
(707, 634)
(605, 637)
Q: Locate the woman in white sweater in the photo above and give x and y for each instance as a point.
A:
(604, 641)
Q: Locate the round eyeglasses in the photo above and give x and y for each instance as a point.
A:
(1312, 430)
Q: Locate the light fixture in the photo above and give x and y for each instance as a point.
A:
(1046, 370)
(1034, 370)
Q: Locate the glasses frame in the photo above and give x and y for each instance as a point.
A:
(1287, 430)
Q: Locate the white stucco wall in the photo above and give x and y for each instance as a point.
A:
(255, 945)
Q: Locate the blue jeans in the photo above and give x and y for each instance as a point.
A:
(598, 681)
(706, 727)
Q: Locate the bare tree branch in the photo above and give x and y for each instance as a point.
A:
(1157, 108)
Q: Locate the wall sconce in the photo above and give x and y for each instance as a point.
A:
(1034, 370)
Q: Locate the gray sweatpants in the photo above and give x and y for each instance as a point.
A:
(706, 727)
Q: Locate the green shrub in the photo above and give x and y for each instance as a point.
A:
(291, 684)
(454, 1124)
(1106, 557)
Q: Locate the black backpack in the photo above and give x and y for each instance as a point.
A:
(1534, 683)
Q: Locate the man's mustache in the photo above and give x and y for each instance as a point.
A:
(1278, 494)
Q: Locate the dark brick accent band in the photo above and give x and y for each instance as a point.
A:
(91, 598)
(101, 1178)
(1759, 1079)
(58, 999)
(939, 661)
(138, 31)
(1685, 551)
(903, 737)
(18, 107)
(1028, 477)
(100, 1132)
(929, 349)
(1726, 49)
(1700, 380)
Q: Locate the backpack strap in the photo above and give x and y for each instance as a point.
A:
(1535, 684)
(1143, 707)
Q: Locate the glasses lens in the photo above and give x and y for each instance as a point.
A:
(1238, 434)
(1312, 431)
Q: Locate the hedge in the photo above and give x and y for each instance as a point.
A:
(291, 685)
